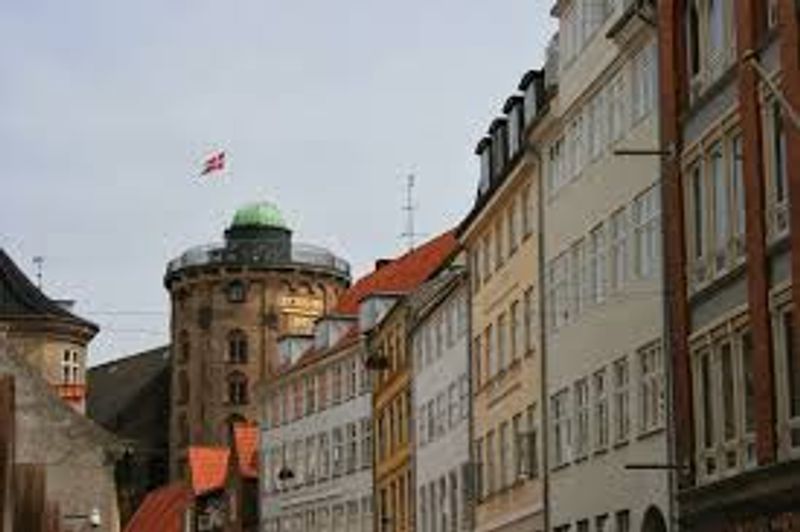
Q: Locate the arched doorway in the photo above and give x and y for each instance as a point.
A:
(654, 521)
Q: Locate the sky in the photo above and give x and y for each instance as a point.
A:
(108, 108)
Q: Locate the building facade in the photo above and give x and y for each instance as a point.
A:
(45, 333)
(231, 305)
(388, 323)
(440, 400)
(605, 368)
(318, 450)
(729, 101)
(500, 238)
(317, 438)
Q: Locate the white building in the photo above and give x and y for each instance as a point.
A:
(441, 404)
(604, 363)
(317, 438)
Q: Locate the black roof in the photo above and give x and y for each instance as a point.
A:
(19, 297)
(113, 386)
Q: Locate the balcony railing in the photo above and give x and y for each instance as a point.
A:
(301, 254)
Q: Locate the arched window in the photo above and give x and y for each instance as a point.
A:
(183, 387)
(237, 389)
(184, 347)
(237, 347)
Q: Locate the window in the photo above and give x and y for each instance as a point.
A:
(476, 362)
(644, 82)
(778, 175)
(616, 108)
(480, 476)
(453, 485)
(583, 525)
(581, 418)
(647, 232)
(185, 346)
(237, 389)
(502, 334)
(237, 291)
(558, 288)
(527, 221)
(237, 347)
(488, 344)
(623, 521)
(498, 244)
(487, 256)
(502, 447)
(791, 374)
(515, 332)
(423, 509)
(597, 265)
(352, 447)
(352, 377)
(183, 387)
(721, 205)
(450, 319)
(298, 399)
(619, 249)
(324, 459)
(338, 451)
(310, 395)
(322, 389)
(600, 523)
(561, 428)
(532, 443)
(600, 410)
(651, 390)
(708, 419)
(70, 368)
(698, 203)
(475, 273)
(710, 42)
(577, 290)
(336, 386)
(453, 407)
(621, 401)
(441, 414)
(490, 471)
(463, 392)
(528, 317)
(518, 454)
(511, 230)
(737, 182)
(431, 420)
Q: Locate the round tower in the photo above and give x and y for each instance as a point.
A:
(231, 305)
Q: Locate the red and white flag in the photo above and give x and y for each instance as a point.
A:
(215, 163)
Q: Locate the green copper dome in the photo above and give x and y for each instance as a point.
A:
(261, 214)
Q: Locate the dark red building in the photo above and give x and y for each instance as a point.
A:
(730, 94)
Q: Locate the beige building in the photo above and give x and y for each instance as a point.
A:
(500, 237)
(232, 304)
(605, 368)
(45, 333)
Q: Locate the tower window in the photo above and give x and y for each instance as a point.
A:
(70, 367)
(237, 347)
(237, 291)
(237, 389)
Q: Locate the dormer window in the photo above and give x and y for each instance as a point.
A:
(514, 112)
(484, 152)
(531, 87)
(237, 291)
(498, 131)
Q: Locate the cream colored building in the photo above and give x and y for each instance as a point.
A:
(605, 368)
(500, 238)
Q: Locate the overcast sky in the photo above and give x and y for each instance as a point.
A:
(107, 109)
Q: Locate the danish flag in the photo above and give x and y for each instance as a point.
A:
(215, 163)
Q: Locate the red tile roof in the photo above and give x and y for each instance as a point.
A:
(208, 467)
(162, 510)
(400, 275)
(245, 437)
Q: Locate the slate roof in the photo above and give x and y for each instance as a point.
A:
(162, 510)
(113, 386)
(20, 298)
(399, 275)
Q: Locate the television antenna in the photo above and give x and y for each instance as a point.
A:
(409, 207)
(38, 261)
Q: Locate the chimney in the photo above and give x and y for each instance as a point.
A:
(380, 263)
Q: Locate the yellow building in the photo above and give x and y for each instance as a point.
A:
(500, 236)
(390, 358)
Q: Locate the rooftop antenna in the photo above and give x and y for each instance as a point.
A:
(409, 208)
(38, 261)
